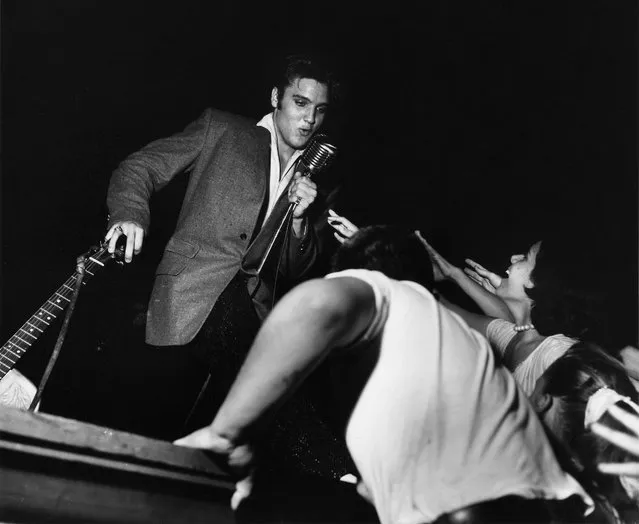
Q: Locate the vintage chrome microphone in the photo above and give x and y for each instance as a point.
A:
(317, 155)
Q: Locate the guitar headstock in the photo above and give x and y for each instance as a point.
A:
(101, 254)
(118, 254)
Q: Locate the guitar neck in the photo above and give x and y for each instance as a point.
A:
(47, 313)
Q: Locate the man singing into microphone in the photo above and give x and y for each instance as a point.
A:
(204, 308)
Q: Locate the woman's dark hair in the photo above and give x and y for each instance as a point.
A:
(571, 380)
(566, 293)
(393, 250)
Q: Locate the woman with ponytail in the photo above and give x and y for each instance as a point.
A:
(575, 392)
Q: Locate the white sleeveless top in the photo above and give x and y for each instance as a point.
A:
(438, 426)
(500, 333)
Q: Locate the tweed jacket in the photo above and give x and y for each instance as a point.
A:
(228, 161)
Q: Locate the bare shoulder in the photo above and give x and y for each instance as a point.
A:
(335, 291)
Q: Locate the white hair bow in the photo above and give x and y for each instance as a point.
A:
(600, 401)
(597, 405)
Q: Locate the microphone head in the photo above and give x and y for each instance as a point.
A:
(318, 154)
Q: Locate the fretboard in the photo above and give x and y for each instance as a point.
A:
(47, 313)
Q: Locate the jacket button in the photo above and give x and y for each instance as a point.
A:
(243, 236)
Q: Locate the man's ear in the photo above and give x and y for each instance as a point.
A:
(541, 402)
(274, 94)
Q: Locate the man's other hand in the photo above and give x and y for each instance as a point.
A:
(134, 238)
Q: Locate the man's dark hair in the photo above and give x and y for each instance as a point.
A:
(297, 66)
(395, 251)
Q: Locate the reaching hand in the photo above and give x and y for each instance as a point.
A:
(628, 442)
(238, 460)
(442, 269)
(343, 227)
(134, 238)
(487, 279)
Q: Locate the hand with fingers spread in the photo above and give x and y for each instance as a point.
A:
(134, 238)
(626, 441)
(480, 291)
(343, 227)
(442, 269)
(487, 279)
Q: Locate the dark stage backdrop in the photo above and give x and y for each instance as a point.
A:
(484, 124)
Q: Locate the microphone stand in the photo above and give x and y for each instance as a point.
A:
(285, 220)
(63, 331)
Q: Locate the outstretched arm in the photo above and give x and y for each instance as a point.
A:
(476, 321)
(141, 174)
(307, 323)
(311, 320)
(468, 281)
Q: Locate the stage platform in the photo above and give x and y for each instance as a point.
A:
(54, 469)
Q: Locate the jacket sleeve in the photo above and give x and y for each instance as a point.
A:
(304, 252)
(150, 169)
(301, 253)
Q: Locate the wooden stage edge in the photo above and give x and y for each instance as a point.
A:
(54, 469)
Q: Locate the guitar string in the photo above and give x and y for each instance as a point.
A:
(7, 351)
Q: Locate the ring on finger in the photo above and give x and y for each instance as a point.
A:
(118, 228)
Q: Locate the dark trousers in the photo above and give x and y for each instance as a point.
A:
(219, 349)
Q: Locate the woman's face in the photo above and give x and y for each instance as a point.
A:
(521, 267)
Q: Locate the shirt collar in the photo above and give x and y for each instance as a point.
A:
(268, 123)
